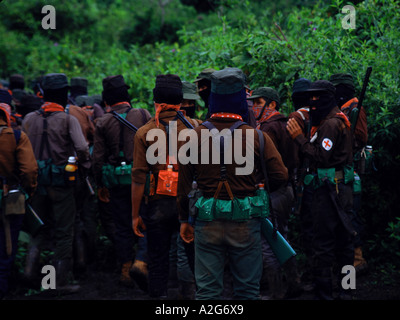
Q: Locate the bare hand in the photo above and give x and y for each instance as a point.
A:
(293, 128)
(187, 232)
(137, 225)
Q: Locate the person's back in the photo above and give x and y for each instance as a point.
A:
(18, 169)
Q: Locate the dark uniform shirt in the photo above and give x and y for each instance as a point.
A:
(107, 138)
(331, 145)
(207, 175)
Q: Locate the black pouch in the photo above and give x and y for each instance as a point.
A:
(44, 173)
(58, 176)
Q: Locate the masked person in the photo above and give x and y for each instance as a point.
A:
(222, 235)
(331, 157)
(16, 156)
(203, 84)
(348, 103)
(56, 138)
(112, 163)
(266, 105)
(161, 219)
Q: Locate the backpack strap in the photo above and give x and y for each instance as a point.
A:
(223, 180)
(17, 135)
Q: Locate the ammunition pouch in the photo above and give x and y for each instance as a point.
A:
(194, 195)
(116, 175)
(50, 175)
(331, 176)
(210, 209)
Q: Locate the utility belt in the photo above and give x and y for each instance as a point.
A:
(209, 209)
(333, 176)
(50, 174)
(116, 175)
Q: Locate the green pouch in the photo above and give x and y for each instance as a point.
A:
(241, 209)
(205, 207)
(325, 174)
(44, 172)
(123, 174)
(223, 209)
(259, 204)
(308, 179)
(357, 184)
(348, 172)
(58, 176)
(108, 177)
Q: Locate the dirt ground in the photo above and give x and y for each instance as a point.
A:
(100, 282)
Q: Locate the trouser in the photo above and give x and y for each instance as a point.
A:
(240, 243)
(161, 220)
(306, 219)
(6, 262)
(57, 210)
(125, 238)
(332, 243)
(86, 217)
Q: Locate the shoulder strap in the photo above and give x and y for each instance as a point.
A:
(17, 135)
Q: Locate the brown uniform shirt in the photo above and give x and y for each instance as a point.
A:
(107, 137)
(84, 121)
(64, 135)
(302, 116)
(207, 175)
(141, 166)
(331, 146)
(275, 127)
(17, 162)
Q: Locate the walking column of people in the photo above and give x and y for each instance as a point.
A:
(176, 216)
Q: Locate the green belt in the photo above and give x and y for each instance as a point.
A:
(210, 209)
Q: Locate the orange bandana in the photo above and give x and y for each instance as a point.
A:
(52, 107)
(226, 115)
(348, 105)
(162, 107)
(5, 108)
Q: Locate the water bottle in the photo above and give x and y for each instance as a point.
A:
(71, 171)
(123, 164)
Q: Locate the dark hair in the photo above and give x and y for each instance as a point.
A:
(59, 96)
(113, 96)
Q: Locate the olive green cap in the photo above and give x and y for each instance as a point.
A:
(189, 91)
(342, 78)
(205, 74)
(227, 81)
(265, 92)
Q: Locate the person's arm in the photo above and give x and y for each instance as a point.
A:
(27, 164)
(137, 195)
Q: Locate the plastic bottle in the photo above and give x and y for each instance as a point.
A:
(71, 170)
(123, 164)
(168, 183)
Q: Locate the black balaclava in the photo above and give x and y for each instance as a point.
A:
(29, 103)
(115, 95)
(190, 111)
(320, 108)
(205, 94)
(344, 93)
(59, 96)
(300, 100)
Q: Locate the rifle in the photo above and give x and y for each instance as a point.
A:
(184, 120)
(125, 122)
(361, 98)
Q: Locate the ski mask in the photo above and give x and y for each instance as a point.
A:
(320, 108)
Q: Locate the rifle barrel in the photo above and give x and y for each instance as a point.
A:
(362, 95)
(124, 121)
(184, 120)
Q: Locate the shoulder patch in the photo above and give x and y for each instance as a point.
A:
(327, 144)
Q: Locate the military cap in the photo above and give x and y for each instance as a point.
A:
(5, 96)
(322, 85)
(83, 101)
(227, 81)
(265, 92)
(342, 78)
(79, 82)
(114, 82)
(301, 85)
(17, 79)
(205, 74)
(189, 91)
(54, 81)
